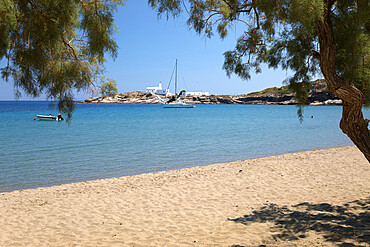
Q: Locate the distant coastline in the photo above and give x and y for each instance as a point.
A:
(318, 95)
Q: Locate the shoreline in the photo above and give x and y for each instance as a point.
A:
(142, 99)
(97, 178)
(311, 198)
(318, 95)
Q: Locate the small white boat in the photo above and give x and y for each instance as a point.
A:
(177, 103)
(50, 117)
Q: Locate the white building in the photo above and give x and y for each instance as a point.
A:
(184, 94)
(157, 90)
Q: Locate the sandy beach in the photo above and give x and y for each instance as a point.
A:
(316, 198)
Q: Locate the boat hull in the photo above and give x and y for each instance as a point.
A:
(47, 118)
(175, 105)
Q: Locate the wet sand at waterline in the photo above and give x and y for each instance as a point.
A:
(316, 198)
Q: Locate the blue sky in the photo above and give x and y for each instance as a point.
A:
(148, 48)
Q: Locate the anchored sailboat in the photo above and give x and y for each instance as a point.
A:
(177, 103)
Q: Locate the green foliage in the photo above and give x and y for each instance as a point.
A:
(281, 90)
(319, 85)
(284, 34)
(148, 94)
(109, 88)
(166, 6)
(353, 43)
(56, 47)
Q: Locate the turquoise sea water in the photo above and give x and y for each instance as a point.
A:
(116, 140)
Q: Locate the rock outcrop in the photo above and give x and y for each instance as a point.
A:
(318, 95)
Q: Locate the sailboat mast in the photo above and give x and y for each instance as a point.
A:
(176, 81)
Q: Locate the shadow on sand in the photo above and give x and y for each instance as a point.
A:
(346, 225)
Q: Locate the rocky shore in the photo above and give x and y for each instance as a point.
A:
(318, 95)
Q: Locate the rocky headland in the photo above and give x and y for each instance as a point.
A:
(318, 95)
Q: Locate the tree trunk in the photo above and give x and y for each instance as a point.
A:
(352, 123)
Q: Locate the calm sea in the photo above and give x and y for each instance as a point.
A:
(115, 140)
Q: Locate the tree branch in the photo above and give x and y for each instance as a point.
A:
(315, 54)
(69, 45)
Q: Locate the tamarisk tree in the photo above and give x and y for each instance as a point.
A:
(56, 47)
(309, 37)
(109, 88)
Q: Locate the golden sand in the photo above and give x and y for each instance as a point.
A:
(316, 198)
